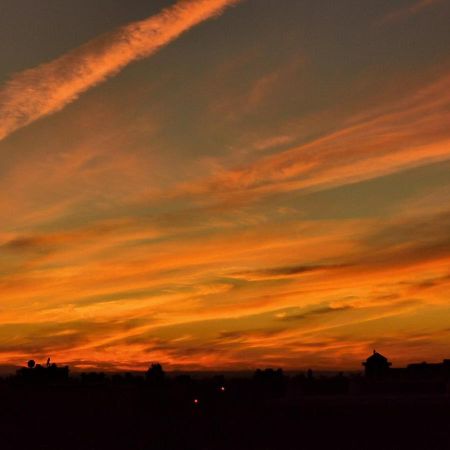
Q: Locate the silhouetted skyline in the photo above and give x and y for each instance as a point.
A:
(270, 409)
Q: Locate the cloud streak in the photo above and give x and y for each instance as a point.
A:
(407, 133)
(246, 210)
(48, 88)
(410, 10)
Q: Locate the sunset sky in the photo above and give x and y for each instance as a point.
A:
(224, 184)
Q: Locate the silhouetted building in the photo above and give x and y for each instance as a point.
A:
(376, 365)
(36, 373)
(424, 378)
(270, 381)
(429, 371)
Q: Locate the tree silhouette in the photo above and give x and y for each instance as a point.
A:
(155, 374)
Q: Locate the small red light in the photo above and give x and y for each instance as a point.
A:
(222, 388)
(196, 401)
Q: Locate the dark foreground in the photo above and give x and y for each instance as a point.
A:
(139, 417)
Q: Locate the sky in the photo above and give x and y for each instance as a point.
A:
(224, 184)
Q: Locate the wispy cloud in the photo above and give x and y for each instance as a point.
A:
(179, 221)
(283, 272)
(48, 88)
(410, 10)
(407, 133)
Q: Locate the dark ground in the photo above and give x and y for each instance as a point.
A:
(140, 417)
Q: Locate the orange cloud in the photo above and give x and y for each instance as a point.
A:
(48, 88)
(110, 257)
(403, 134)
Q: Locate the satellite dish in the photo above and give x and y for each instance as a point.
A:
(31, 363)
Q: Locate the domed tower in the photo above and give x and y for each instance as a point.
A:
(376, 365)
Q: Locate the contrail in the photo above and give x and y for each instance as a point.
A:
(49, 87)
